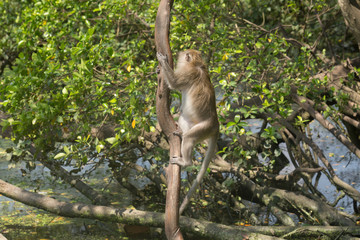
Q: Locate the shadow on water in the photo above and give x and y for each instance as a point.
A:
(44, 226)
(66, 231)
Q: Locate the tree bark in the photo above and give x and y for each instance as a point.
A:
(202, 228)
(127, 216)
(305, 232)
(167, 123)
(351, 12)
(279, 199)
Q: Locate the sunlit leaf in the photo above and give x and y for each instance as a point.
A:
(65, 91)
(99, 148)
(111, 140)
(60, 155)
(133, 123)
(225, 57)
(242, 131)
(66, 149)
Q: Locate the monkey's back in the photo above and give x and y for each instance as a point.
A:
(199, 99)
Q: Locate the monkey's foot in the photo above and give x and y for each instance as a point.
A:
(178, 133)
(180, 161)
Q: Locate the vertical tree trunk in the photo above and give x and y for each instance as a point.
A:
(167, 123)
(351, 11)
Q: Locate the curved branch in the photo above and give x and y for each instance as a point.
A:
(167, 123)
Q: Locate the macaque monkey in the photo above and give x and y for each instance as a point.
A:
(198, 118)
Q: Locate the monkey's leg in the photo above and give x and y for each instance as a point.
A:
(186, 159)
(195, 134)
(184, 127)
(176, 159)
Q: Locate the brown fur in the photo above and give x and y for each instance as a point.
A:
(195, 77)
(198, 118)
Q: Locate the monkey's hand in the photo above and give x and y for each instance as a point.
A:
(180, 161)
(161, 58)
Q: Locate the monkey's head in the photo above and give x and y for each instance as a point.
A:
(192, 57)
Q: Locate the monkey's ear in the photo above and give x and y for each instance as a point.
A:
(188, 57)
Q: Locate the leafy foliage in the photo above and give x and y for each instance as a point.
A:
(77, 67)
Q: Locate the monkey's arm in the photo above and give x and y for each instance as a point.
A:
(167, 70)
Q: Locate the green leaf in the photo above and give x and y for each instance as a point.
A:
(114, 100)
(111, 140)
(99, 148)
(229, 124)
(91, 31)
(21, 43)
(66, 149)
(277, 152)
(223, 82)
(242, 131)
(60, 119)
(84, 159)
(110, 51)
(65, 91)
(59, 155)
(258, 45)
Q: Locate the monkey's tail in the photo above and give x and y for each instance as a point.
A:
(210, 152)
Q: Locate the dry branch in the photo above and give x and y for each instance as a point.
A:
(277, 199)
(76, 182)
(305, 104)
(127, 216)
(340, 184)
